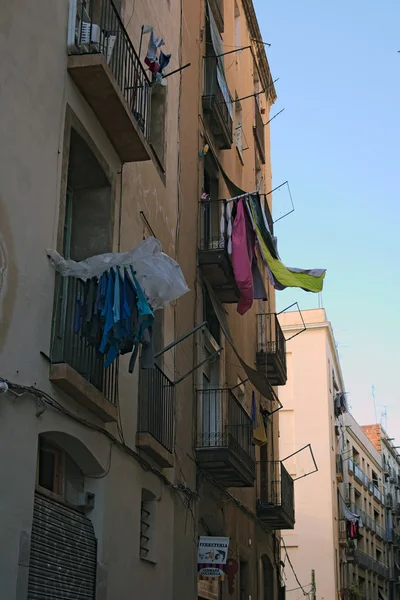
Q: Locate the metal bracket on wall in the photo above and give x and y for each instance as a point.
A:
(203, 327)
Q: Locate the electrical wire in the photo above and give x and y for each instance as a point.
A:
(294, 572)
(43, 398)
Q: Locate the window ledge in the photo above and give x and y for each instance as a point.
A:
(151, 561)
(76, 386)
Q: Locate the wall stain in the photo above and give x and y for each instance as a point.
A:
(8, 276)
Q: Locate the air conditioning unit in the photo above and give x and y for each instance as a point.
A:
(88, 33)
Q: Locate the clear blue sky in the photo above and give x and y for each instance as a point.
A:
(338, 144)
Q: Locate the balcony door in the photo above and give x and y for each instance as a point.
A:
(211, 408)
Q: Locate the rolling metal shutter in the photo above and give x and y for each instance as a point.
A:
(63, 553)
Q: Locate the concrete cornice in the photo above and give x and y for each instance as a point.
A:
(259, 50)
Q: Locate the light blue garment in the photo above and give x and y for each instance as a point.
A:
(146, 315)
(107, 312)
(117, 295)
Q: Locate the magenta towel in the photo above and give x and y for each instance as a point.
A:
(243, 242)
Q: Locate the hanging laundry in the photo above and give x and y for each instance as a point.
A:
(115, 317)
(153, 46)
(156, 62)
(259, 434)
(243, 243)
(310, 280)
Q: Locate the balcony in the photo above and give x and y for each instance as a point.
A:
(369, 563)
(380, 532)
(258, 130)
(275, 503)
(389, 501)
(155, 433)
(77, 368)
(358, 473)
(107, 71)
(271, 349)
(217, 104)
(224, 439)
(343, 532)
(377, 493)
(214, 249)
(339, 468)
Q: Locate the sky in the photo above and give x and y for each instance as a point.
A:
(338, 144)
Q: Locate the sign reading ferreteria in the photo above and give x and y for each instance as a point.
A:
(212, 556)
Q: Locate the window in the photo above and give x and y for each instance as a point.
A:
(148, 526)
(259, 176)
(89, 219)
(210, 235)
(239, 128)
(210, 317)
(59, 474)
(244, 580)
(49, 471)
(375, 480)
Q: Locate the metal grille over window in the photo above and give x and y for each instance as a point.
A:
(148, 526)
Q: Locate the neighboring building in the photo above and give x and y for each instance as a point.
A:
(118, 474)
(239, 484)
(364, 563)
(391, 488)
(89, 164)
(340, 530)
(308, 416)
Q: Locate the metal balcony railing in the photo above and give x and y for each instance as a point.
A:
(358, 473)
(99, 29)
(156, 406)
(217, 102)
(259, 129)
(367, 562)
(71, 346)
(222, 422)
(276, 487)
(271, 345)
(339, 466)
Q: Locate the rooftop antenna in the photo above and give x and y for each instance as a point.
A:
(384, 418)
(373, 398)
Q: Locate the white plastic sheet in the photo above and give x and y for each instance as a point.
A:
(159, 276)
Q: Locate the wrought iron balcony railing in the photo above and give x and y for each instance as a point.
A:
(70, 346)
(156, 406)
(224, 437)
(271, 348)
(275, 503)
(259, 132)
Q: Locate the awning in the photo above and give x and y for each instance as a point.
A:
(257, 379)
(382, 595)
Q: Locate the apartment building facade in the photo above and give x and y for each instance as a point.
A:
(391, 485)
(108, 145)
(89, 165)
(308, 416)
(227, 153)
(365, 565)
(341, 531)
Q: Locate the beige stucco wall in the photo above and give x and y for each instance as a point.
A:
(36, 95)
(307, 418)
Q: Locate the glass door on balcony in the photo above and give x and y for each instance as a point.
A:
(211, 403)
